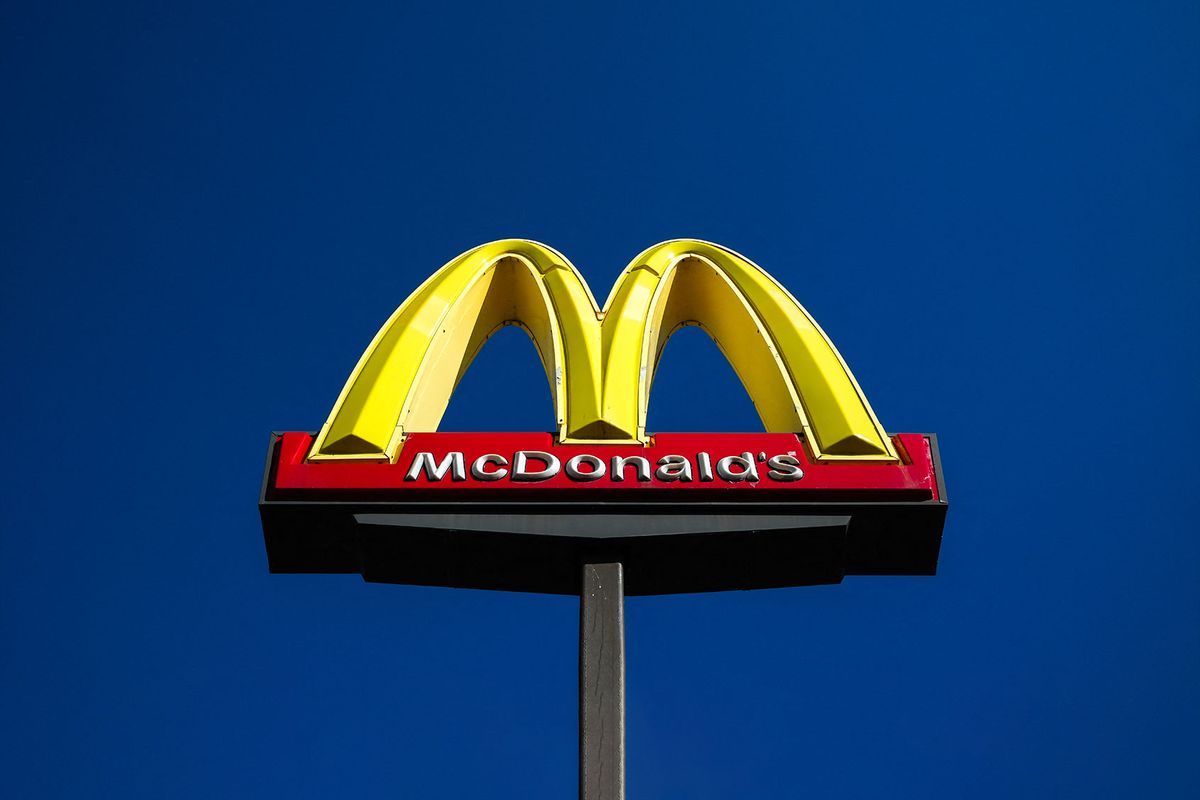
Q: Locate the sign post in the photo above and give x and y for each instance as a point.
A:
(602, 683)
(601, 507)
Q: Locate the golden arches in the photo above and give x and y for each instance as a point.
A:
(600, 365)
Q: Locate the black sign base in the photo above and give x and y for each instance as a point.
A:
(666, 548)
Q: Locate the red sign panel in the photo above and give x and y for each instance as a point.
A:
(490, 463)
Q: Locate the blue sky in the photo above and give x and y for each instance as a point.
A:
(208, 209)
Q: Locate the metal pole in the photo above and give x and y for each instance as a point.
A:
(602, 683)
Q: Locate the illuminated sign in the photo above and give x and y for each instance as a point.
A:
(823, 491)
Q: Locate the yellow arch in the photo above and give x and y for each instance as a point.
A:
(791, 370)
(404, 379)
(600, 365)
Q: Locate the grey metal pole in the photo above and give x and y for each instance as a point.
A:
(602, 683)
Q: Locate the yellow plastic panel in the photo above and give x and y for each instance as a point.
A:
(600, 366)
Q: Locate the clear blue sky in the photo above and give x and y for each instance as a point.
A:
(209, 208)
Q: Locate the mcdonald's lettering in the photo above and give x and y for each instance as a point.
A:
(820, 492)
(490, 467)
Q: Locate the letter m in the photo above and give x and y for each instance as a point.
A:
(423, 462)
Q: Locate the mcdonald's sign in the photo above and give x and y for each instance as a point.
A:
(822, 492)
